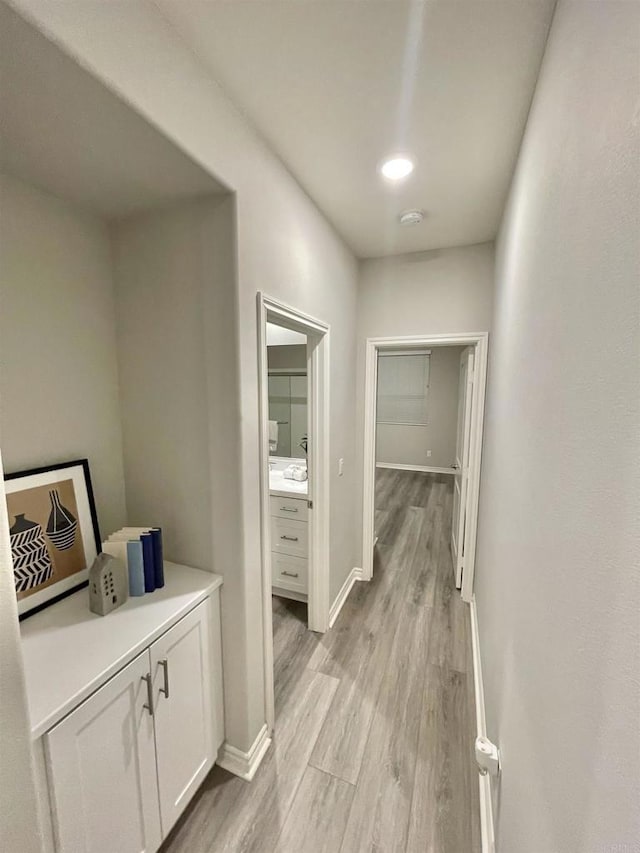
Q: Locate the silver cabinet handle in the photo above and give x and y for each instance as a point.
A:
(290, 538)
(288, 509)
(149, 702)
(290, 574)
(164, 663)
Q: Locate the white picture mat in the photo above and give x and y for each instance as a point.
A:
(85, 522)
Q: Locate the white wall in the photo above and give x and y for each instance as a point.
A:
(59, 383)
(446, 290)
(284, 247)
(407, 444)
(558, 570)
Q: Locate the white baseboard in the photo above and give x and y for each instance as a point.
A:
(487, 830)
(353, 576)
(245, 764)
(428, 469)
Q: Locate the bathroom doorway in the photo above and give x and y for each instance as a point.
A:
(287, 386)
(293, 370)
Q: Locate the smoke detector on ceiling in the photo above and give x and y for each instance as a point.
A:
(411, 217)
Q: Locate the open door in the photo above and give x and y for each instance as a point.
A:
(461, 464)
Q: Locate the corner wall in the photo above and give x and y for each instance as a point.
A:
(175, 283)
(557, 573)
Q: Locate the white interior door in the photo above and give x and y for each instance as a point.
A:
(102, 769)
(461, 464)
(183, 685)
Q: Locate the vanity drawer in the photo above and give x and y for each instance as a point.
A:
(289, 572)
(289, 537)
(293, 508)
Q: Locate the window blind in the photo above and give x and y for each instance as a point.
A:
(403, 385)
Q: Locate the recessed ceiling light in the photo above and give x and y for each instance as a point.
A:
(396, 168)
(411, 217)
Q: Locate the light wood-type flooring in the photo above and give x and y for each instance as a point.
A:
(373, 748)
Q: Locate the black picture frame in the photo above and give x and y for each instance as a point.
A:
(78, 470)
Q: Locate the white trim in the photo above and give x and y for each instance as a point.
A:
(354, 575)
(373, 345)
(486, 804)
(475, 462)
(245, 764)
(429, 469)
(318, 366)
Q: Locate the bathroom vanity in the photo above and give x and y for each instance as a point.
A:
(289, 510)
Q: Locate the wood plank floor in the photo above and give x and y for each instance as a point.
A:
(373, 748)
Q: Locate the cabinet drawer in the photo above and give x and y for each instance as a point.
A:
(293, 508)
(289, 572)
(289, 537)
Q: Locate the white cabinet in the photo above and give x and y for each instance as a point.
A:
(289, 546)
(124, 764)
(102, 770)
(183, 710)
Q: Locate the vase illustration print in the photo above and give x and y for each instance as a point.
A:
(31, 561)
(62, 525)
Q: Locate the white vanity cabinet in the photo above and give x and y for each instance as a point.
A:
(125, 750)
(289, 546)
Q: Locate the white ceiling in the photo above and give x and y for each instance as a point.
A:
(63, 131)
(336, 86)
(277, 336)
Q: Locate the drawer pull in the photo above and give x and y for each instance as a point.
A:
(149, 703)
(290, 574)
(288, 509)
(290, 538)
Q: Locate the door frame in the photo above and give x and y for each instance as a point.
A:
(318, 341)
(470, 354)
(479, 340)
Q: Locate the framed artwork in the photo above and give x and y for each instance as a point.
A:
(54, 532)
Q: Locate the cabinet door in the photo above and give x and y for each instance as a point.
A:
(102, 769)
(183, 682)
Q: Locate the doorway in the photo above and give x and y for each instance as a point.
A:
(396, 408)
(293, 351)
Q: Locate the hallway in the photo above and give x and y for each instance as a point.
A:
(375, 720)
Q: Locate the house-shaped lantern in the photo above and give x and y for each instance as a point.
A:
(108, 584)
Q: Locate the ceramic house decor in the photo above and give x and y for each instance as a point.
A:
(108, 584)
(53, 530)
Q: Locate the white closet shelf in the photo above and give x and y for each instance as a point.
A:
(70, 652)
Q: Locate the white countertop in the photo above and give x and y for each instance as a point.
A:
(287, 488)
(69, 652)
(281, 487)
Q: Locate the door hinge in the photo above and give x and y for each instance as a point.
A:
(310, 504)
